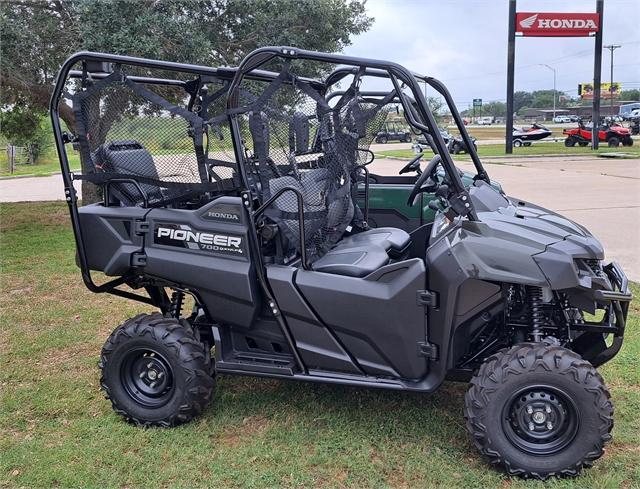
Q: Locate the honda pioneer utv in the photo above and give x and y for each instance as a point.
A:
(238, 189)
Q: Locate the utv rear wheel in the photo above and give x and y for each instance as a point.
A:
(407, 138)
(570, 142)
(456, 148)
(538, 410)
(582, 144)
(382, 140)
(614, 142)
(155, 371)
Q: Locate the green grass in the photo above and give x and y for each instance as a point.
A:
(57, 430)
(536, 149)
(44, 168)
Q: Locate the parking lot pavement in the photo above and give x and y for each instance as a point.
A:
(601, 194)
(32, 189)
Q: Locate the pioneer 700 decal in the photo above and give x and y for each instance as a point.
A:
(183, 236)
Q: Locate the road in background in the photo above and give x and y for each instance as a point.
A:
(601, 194)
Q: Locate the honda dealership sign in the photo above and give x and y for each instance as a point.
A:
(557, 24)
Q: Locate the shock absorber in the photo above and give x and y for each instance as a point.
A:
(177, 300)
(536, 311)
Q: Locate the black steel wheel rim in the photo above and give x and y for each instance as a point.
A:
(540, 420)
(147, 377)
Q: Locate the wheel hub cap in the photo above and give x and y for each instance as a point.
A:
(147, 377)
(540, 420)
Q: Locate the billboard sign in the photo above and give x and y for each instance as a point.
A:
(585, 90)
(540, 24)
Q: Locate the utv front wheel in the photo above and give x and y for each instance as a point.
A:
(537, 410)
(155, 372)
(570, 142)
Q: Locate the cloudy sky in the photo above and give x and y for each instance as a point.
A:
(464, 44)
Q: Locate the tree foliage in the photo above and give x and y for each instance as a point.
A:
(522, 99)
(495, 109)
(38, 35)
(630, 95)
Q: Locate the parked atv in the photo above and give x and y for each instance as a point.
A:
(421, 140)
(458, 145)
(613, 135)
(245, 200)
(393, 131)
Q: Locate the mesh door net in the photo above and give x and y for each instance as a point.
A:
(153, 150)
(301, 143)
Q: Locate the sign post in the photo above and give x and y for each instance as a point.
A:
(553, 24)
(477, 102)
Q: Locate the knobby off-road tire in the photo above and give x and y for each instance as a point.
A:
(155, 371)
(570, 142)
(614, 142)
(537, 410)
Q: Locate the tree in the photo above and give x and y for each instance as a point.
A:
(38, 35)
(630, 95)
(31, 129)
(495, 109)
(522, 99)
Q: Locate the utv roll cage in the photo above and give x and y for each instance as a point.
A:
(100, 68)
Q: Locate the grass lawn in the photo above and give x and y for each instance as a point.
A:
(492, 150)
(59, 431)
(44, 168)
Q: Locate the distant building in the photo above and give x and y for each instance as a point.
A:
(546, 114)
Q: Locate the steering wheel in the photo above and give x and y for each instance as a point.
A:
(413, 165)
(429, 171)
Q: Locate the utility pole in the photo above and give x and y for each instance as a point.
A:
(554, 88)
(612, 48)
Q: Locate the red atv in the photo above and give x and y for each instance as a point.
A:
(613, 135)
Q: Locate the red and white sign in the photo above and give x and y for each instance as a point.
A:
(542, 24)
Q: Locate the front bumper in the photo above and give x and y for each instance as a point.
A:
(591, 343)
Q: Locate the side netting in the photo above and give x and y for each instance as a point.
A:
(300, 142)
(143, 147)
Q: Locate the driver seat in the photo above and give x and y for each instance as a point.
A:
(360, 254)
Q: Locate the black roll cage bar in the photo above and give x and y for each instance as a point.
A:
(344, 71)
(385, 69)
(416, 110)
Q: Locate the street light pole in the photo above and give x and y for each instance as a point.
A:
(554, 88)
(612, 48)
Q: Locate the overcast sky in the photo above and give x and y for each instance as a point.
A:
(464, 44)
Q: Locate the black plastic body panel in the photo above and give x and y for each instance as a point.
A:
(209, 254)
(376, 318)
(317, 345)
(110, 237)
